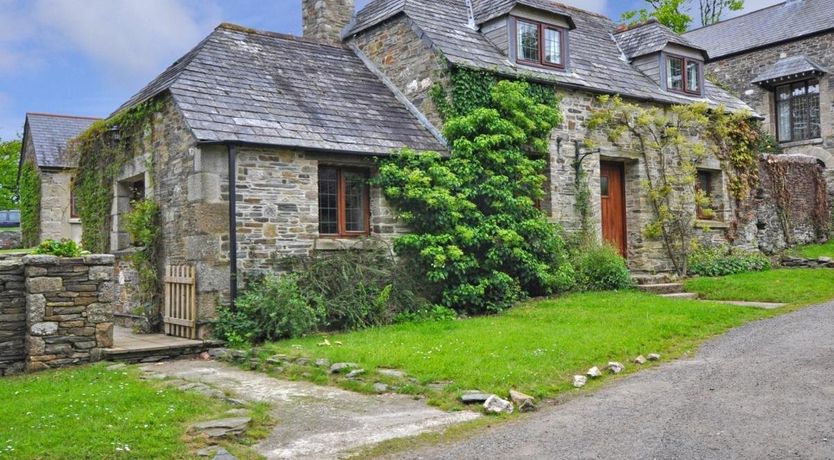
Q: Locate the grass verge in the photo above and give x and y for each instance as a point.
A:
(16, 251)
(534, 348)
(815, 251)
(791, 286)
(90, 412)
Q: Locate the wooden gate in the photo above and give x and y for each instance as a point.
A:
(181, 301)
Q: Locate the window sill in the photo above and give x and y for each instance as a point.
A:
(711, 223)
(787, 145)
(75, 220)
(343, 244)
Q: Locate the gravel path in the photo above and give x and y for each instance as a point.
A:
(763, 391)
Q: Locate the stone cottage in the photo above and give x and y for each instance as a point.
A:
(45, 138)
(286, 127)
(779, 61)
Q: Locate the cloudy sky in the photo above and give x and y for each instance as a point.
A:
(86, 57)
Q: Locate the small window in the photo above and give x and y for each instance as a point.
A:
(540, 44)
(343, 202)
(798, 111)
(705, 186)
(603, 186)
(73, 201)
(683, 75)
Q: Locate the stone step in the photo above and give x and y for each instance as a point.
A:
(681, 295)
(653, 278)
(662, 288)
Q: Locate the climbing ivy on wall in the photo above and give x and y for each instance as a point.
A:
(142, 224)
(29, 189)
(103, 149)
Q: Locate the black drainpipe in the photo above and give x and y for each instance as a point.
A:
(232, 223)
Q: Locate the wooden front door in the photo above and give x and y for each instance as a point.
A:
(612, 193)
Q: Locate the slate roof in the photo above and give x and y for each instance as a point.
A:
(242, 85)
(596, 62)
(649, 38)
(785, 21)
(788, 68)
(50, 134)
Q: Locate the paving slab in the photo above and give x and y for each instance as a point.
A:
(317, 422)
(763, 305)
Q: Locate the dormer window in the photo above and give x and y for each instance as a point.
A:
(540, 44)
(683, 75)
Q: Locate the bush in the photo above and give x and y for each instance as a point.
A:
(358, 288)
(725, 260)
(63, 248)
(272, 308)
(601, 268)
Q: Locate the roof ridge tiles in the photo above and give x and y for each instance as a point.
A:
(282, 36)
(60, 115)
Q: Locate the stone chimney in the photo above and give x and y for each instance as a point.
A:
(325, 19)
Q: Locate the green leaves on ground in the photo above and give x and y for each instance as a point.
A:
(477, 235)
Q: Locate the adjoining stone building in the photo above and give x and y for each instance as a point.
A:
(263, 143)
(779, 60)
(45, 138)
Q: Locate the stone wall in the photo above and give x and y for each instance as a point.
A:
(737, 72)
(324, 20)
(54, 312)
(400, 52)
(277, 207)
(69, 312)
(803, 218)
(10, 240)
(12, 317)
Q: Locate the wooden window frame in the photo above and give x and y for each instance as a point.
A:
(685, 61)
(541, 27)
(341, 203)
(789, 100)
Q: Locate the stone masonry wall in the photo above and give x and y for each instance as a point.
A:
(738, 71)
(398, 50)
(69, 313)
(10, 240)
(54, 312)
(12, 317)
(277, 207)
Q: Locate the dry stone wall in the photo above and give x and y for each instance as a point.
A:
(54, 312)
(10, 240)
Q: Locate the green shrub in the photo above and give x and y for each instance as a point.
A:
(63, 248)
(358, 288)
(477, 236)
(726, 260)
(271, 308)
(601, 268)
(29, 189)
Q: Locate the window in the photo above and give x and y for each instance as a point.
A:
(343, 202)
(683, 75)
(705, 186)
(540, 44)
(798, 111)
(73, 201)
(603, 186)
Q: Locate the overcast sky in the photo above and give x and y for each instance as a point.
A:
(86, 57)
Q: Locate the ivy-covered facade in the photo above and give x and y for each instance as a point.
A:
(257, 146)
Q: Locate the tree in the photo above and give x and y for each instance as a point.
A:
(477, 235)
(9, 158)
(675, 15)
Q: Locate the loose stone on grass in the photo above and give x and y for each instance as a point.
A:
(223, 454)
(496, 405)
(116, 367)
(654, 357)
(222, 428)
(339, 368)
(322, 362)
(579, 381)
(615, 367)
(380, 388)
(524, 402)
(394, 373)
(475, 397)
(640, 360)
(355, 373)
(594, 372)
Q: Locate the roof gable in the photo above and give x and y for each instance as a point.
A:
(49, 135)
(786, 21)
(651, 37)
(242, 85)
(788, 69)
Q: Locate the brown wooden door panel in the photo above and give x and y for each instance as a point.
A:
(612, 196)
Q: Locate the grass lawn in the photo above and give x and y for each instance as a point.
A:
(815, 251)
(16, 251)
(535, 348)
(90, 412)
(792, 286)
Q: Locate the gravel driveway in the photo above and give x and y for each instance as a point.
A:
(763, 391)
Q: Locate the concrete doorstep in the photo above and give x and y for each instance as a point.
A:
(317, 422)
